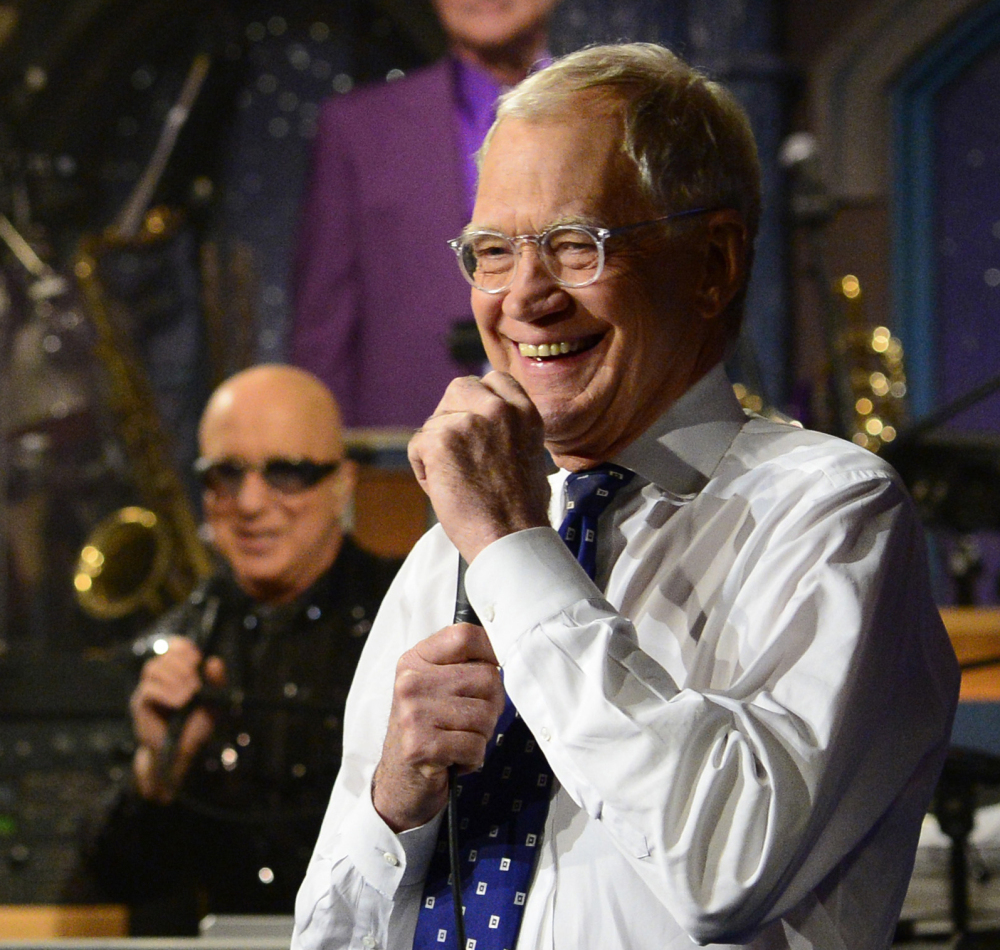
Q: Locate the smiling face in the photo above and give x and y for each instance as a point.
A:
(277, 544)
(629, 344)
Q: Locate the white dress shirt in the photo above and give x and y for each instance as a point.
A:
(745, 714)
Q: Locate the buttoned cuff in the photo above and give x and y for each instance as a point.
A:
(386, 860)
(521, 580)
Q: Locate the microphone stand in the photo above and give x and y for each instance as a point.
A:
(46, 283)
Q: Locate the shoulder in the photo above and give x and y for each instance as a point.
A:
(778, 447)
(418, 89)
(369, 574)
(783, 472)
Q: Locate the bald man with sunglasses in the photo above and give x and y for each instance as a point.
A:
(237, 714)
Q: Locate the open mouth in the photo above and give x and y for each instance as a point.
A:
(543, 352)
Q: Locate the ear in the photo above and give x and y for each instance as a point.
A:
(725, 262)
(345, 481)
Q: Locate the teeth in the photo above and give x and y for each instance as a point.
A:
(543, 350)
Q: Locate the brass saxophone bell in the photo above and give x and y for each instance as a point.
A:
(137, 558)
(124, 565)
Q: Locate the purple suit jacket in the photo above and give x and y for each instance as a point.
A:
(377, 289)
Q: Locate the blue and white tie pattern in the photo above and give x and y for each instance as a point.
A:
(587, 495)
(502, 807)
(501, 813)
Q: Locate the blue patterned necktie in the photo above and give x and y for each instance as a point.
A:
(502, 807)
(587, 495)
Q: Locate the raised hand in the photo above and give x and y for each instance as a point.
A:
(168, 683)
(480, 458)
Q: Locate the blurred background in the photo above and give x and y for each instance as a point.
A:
(153, 155)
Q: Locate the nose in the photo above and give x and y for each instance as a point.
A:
(534, 292)
(253, 494)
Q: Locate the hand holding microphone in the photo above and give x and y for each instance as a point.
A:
(170, 722)
(446, 701)
(480, 459)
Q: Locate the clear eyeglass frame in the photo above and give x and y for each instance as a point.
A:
(462, 246)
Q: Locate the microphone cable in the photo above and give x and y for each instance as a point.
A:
(463, 614)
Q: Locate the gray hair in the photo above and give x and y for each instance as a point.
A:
(690, 139)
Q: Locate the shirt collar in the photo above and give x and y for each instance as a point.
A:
(476, 93)
(682, 449)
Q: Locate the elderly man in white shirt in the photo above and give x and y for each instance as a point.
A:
(746, 707)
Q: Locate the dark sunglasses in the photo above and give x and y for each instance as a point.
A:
(288, 476)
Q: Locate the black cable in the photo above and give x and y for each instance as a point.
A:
(456, 880)
(463, 614)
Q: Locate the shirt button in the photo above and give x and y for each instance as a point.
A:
(545, 734)
(392, 861)
(489, 613)
(368, 941)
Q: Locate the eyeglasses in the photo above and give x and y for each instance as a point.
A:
(288, 476)
(572, 253)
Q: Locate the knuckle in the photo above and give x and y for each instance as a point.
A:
(408, 685)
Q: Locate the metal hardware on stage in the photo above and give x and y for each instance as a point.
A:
(163, 538)
(954, 479)
(150, 943)
(65, 739)
(970, 780)
(217, 932)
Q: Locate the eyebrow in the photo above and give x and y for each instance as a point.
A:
(575, 220)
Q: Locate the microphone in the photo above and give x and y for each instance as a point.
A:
(464, 343)
(811, 203)
(206, 696)
(463, 609)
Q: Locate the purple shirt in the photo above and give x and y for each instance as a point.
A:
(476, 93)
(378, 293)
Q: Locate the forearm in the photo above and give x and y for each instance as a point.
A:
(148, 779)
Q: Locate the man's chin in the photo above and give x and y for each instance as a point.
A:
(257, 573)
(565, 426)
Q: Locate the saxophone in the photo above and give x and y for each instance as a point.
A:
(139, 557)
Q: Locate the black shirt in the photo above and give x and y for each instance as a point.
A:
(239, 836)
